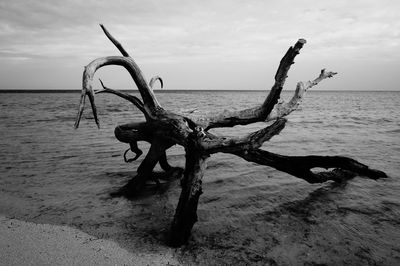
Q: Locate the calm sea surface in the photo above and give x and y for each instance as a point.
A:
(51, 173)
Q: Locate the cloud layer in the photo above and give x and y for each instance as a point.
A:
(229, 42)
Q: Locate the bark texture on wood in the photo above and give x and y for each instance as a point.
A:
(258, 113)
(186, 211)
(300, 166)
(163, 129)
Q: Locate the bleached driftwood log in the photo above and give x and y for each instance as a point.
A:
(163, 128)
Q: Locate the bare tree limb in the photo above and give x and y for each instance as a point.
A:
(283, 109)
(133, 99)
(280, 78)
(135, 149)
(259, 113)
(300, 166)
(164, 162)
(151, 104)
(114, 41)
(139, 131)
(154, 79)
(280, 109)
(145, 170)
(212, 144)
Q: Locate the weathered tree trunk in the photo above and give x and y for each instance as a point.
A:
(186, 212)
(162, 129)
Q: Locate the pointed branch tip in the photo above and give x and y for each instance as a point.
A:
(114, 41)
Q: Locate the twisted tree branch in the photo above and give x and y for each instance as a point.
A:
(300, 166)
(151, 104)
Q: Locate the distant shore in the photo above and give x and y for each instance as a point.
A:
(23, 243)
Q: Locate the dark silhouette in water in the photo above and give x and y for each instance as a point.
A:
(163, 129)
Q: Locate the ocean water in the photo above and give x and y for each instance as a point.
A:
(248, 214)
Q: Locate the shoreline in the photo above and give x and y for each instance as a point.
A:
(25, 243)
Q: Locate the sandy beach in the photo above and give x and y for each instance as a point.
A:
(24, 243)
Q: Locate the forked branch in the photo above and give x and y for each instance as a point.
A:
(280, 78)
(151, 104)
(282, 109)
(259, 113)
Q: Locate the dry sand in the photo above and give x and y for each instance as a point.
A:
(23, 243)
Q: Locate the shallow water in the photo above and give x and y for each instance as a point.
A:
(248, 214)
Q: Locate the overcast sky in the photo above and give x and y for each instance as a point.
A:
(201, 44)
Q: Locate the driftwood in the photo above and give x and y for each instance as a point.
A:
(163, 129)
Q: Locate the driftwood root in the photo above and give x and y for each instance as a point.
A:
(163, 129)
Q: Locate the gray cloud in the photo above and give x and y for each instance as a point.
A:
(171, 33)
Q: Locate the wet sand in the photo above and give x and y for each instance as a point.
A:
(24, 243)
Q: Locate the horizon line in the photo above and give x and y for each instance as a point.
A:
(171, 91)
